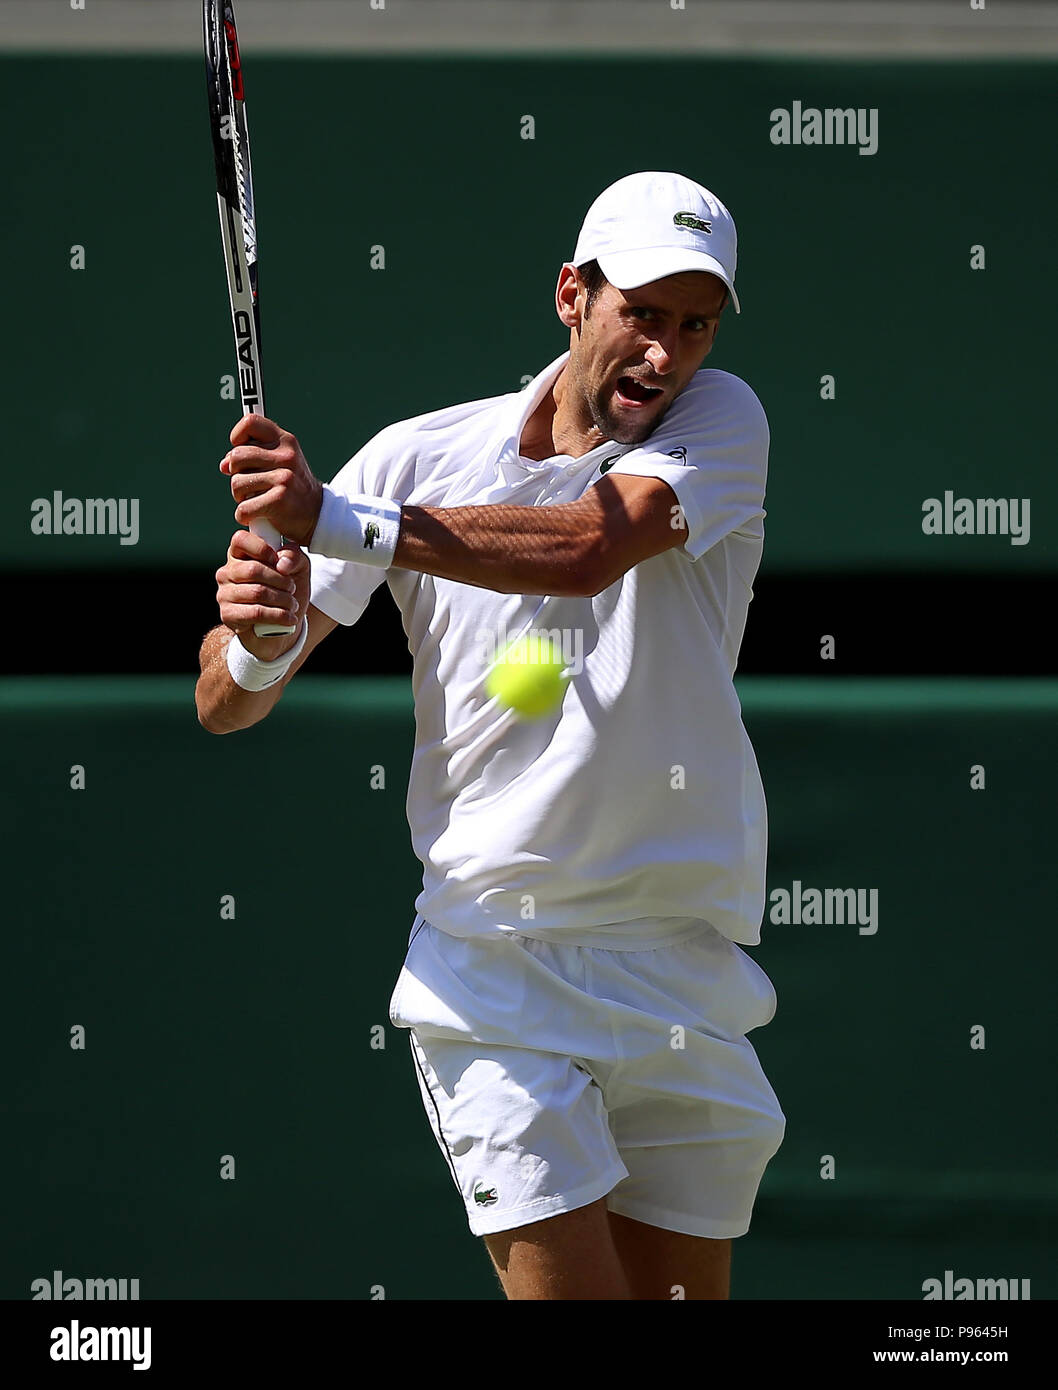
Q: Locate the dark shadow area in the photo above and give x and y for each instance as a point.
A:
(882, 625)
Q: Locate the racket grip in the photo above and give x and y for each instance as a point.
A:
(269, 533)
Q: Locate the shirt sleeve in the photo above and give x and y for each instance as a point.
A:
(712, 450)
(343, 588)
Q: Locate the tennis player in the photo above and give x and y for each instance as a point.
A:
(575, 989)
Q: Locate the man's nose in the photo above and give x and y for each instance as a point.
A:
(660, 354)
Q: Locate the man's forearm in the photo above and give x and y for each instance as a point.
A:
(512, 550)
(224, 707)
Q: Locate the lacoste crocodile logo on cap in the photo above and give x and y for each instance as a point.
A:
(688, 219)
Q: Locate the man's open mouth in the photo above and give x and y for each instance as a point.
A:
(633, 391)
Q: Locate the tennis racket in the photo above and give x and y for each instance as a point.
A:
(238, 226)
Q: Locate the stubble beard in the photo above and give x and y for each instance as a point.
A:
(618, 428)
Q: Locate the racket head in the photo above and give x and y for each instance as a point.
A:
(226, 90)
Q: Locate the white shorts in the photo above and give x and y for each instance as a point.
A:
(553, 1075)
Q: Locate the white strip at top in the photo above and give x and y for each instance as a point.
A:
(836, 28)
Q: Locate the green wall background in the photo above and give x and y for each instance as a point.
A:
(253, 1037)
(853, 265)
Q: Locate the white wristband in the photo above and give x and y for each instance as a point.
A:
(364, 529)
(250, 673)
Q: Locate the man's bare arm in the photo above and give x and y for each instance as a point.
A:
(512, 550)
(251, 588)
(224, 707)
(567, 548)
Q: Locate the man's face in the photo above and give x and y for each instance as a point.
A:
(637, 349)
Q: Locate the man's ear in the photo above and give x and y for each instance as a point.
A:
(569, 287)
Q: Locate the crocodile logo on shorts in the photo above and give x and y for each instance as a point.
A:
(485, 1196)
(371, 535)
(688, 219)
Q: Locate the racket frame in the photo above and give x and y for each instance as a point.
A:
(226, 89)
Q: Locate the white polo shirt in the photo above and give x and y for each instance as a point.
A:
(635, 812)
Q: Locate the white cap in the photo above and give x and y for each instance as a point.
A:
(649, 225)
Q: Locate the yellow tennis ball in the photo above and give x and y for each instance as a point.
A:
(529, 677)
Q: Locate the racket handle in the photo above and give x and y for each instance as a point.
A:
(269, 533)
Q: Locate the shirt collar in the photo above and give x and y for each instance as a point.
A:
(513, 419)
(511, 468)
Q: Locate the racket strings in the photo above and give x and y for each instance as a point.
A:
(244, 185)
(249, 232)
